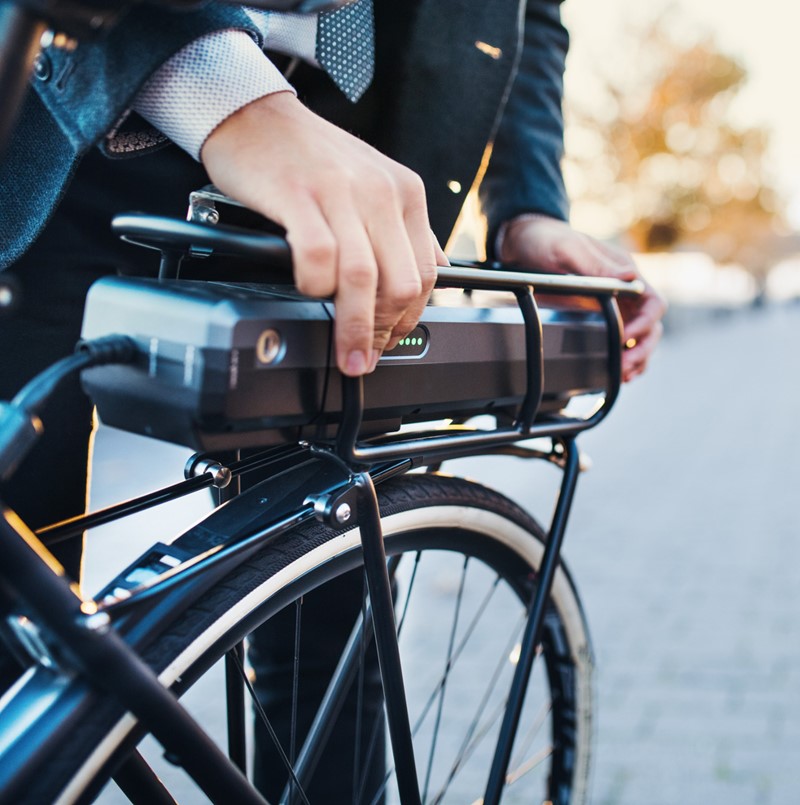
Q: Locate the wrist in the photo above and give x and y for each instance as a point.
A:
(505, 244)
(251, 117)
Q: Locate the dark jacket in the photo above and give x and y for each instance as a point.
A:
(446, 70)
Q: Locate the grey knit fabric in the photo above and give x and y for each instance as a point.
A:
(203, 84)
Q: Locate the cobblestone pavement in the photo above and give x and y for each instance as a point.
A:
(683, 546)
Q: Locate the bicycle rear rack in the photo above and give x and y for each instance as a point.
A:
(452, 444)
(176, 240)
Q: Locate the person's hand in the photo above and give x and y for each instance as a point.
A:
(356, 221)
(540, 242)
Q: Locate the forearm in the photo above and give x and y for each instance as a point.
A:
(524, 173)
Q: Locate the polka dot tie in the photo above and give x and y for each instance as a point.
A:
(346, 47)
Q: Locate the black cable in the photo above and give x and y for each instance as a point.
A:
(20, 426)
(109, 349)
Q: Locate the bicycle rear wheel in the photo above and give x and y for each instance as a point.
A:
(468, 561)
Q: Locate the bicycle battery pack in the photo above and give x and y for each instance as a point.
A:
(224, 365)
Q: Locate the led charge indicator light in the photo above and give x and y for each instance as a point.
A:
(414, 345)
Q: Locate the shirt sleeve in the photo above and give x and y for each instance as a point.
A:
(205, 83)
(524, 172)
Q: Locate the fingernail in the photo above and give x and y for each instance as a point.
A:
(376, 354)
(356, 363)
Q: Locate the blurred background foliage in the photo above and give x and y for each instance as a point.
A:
(654, 153)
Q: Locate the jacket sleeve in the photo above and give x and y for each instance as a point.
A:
(524, 171)
(88, 90)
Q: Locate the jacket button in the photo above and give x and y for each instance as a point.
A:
(42, 67)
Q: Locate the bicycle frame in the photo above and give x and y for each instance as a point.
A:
(334, 483)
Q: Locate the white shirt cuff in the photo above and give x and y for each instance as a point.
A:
(294, 35)
(205, 83)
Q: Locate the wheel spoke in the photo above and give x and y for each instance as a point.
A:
(447, 667)
(474, 735)
(411, 581)
(360, 693)
(469, 749)
(271, 731)
(529, 765)
(235, 708)
(525, 744)
(377, 726)
(298, 616)
(480, 610)
(457, 653)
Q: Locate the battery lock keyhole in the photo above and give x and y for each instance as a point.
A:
(269, 347)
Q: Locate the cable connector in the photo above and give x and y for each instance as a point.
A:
(108, 349)
(20, 425)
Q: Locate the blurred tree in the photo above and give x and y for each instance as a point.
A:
(658, 154)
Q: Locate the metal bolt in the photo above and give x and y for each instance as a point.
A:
(206, 215)
(220, 475)
(343, 513)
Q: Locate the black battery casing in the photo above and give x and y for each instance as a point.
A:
(224, 365)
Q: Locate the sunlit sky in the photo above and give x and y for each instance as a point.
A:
(764, 36)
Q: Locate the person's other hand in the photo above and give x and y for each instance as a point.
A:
(356, 221)
(540, 242)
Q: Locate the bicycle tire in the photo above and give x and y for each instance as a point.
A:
(421, 514)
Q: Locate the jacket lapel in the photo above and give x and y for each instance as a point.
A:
(458, 66)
